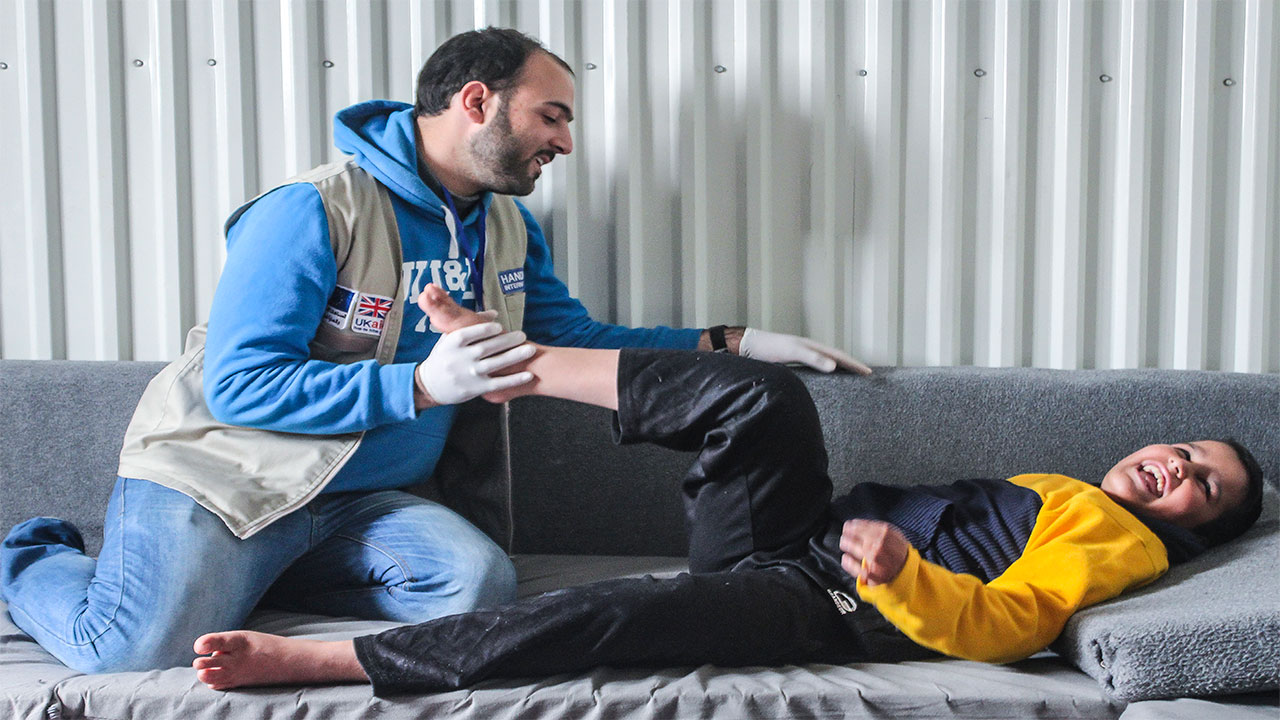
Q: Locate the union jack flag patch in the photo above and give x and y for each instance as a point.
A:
(371, 314)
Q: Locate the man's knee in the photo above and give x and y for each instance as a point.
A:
(478, 576)
(493, 580)
(29, 543)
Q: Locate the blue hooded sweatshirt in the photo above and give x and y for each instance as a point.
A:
(280, 274)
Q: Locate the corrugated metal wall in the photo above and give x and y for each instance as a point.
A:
(1066, 183)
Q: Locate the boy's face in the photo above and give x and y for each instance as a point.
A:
(1187, 484)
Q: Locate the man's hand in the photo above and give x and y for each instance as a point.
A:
(874, 551)
(463, 363)
(781, 348)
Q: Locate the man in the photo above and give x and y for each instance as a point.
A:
(270, 457)
(984, 570)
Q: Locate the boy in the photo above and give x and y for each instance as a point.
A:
(983, 569)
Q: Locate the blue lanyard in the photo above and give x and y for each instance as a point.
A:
(474, 255)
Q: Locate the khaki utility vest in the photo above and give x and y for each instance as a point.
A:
(251, 477)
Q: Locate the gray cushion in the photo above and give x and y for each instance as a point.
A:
(937, 425)
(28, 674)
(1259, 706)
(576, 493)
(1209, 627)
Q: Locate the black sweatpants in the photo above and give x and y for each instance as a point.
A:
(755, 496)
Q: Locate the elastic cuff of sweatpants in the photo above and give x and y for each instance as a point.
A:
(382, 674)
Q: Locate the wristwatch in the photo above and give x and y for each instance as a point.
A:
(718, 343)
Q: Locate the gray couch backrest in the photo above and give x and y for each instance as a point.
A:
(61, 424)
(573, 491)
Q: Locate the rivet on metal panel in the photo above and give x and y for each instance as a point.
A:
(979, 72)
(1228, 82)
(4, 66)
(721, 68)
(327, 63)
(862, 73)
(591, 66)
(137, 63)
(1104, 77)
(212, 62)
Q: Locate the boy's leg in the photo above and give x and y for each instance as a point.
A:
(731, 619)
(759, 617)
(759, 488)
(583, 375)
(169, 570)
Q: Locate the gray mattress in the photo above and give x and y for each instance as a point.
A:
(1044, 686)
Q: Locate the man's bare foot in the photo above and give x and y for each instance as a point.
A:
(244, 658)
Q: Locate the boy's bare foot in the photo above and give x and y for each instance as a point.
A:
(245, 658)
(447, 316)
(581, 374)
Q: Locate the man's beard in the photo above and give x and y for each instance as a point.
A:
(501, 164)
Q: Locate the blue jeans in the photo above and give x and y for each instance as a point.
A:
(170, 571)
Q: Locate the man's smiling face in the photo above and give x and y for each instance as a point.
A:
(528, 128)
(1187, 484)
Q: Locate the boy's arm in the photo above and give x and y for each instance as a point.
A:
(1072, 560)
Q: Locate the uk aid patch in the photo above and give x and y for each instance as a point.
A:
(339, 306)
(371, 314)
(511, 281)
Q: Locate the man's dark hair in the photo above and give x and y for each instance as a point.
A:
(1232, 523)
(494, 56)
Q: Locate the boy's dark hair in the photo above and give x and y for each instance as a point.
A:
(1232, 523)
(494, 56)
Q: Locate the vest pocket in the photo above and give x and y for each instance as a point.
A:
(341, 346)
(514, 304)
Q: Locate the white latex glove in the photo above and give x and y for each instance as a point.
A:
(782, 348)
(461, 365)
